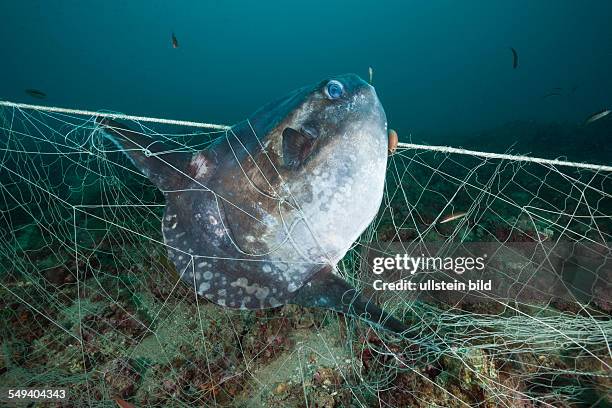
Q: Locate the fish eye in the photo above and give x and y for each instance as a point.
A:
(334, 89)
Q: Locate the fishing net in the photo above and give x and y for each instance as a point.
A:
(91, 303)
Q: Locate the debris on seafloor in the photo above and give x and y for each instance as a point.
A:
(122, 403)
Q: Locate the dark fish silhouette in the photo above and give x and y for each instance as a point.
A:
(35, 93)
(261, 218)
(175, 43)
(515, 58)
(550, 94)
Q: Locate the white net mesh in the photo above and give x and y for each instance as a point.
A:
(91, 303)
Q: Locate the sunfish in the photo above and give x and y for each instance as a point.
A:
(261, 218)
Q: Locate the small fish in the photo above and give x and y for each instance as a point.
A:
(35, 93)
(557, 88)
(548, 95)
(175, 43)
(453, 217)
(371, 74)
(597, 116)
(393, 141)
(122, 403)
(514, 58)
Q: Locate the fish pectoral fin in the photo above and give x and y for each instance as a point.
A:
(297, 146)
(156, 160)
(328, 291)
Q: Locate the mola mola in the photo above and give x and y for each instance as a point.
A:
(261, 217)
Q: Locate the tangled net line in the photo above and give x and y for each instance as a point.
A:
(91, 303)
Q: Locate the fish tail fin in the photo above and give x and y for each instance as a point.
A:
(329, 291)
(156, 160)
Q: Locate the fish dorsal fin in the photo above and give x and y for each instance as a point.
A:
(167, 167)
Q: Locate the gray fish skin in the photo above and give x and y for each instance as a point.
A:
(261, 218)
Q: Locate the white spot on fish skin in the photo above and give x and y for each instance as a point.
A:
(262, 293)
(212, 220)
(274, 302)
(170, 216)
(207, 275)
(204, 286)
(292, 287)
(267, 269)
(221, 292)
(199, 165)
(240, 282)
(202, 264)
(221, 302)
(173, 226)
(250, 238)
(180, 234)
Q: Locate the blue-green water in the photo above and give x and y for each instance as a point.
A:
(441, 68)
